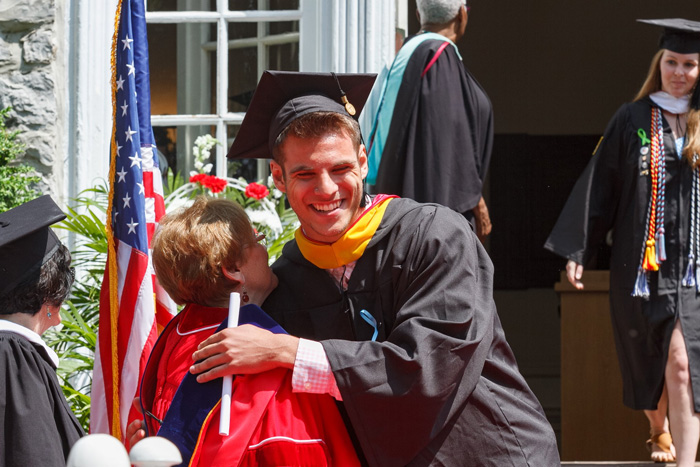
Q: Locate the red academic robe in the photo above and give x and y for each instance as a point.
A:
(270, 424)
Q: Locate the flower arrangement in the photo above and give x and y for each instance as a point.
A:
(263, 203)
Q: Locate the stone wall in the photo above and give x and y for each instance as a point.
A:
(27, 82)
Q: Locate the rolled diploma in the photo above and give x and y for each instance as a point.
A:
(225, 415)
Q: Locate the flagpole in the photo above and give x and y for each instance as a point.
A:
(234, 305)
(111, 253)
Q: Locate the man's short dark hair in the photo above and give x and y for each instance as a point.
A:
(316, 125)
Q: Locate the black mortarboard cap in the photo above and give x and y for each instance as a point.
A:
(679, 35)
(283, 96)
(26, 241)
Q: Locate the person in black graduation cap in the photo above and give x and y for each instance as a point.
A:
(642, 184)
(35, 278)
(432, 133)
(392, 299)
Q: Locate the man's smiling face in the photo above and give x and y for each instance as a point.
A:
(322, 178)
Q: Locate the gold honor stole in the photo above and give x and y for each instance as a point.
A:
(352, 244)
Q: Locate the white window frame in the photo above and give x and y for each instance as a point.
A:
(85, 29)
(194, 76)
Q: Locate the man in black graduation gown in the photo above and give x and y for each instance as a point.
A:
(395, 295)
(432, 133)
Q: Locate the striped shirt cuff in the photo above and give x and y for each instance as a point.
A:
(312, 371)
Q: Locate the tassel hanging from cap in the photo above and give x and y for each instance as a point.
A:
(349, 108)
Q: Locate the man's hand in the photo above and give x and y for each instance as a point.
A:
(574, 271)
(246, 349)
(482, 221)
(135, 431)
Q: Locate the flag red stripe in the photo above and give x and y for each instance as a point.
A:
(148, 184)
(135, 273)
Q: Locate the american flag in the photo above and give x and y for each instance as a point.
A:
(133, 308)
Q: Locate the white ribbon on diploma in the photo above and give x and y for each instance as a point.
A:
(234, 306)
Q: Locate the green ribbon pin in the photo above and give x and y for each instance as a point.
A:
(643, 136)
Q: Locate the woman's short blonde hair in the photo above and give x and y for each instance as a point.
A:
(192, 245)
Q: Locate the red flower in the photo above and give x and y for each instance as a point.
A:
(215, 184)
(256, 190)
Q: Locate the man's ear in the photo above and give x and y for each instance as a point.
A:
(235, 274)
(463, 16)
(362, 161)
(278, 176)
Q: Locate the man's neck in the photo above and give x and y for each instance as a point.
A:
(447, 30)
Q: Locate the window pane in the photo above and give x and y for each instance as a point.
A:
(283, 57)
(242, 77)
(242, 30)
(163, 68)
(235, 5)
(181, 5)
(281, 27)
(255, 4)
(166, 138)
(284, 4)
(246, 168)
(175, 146)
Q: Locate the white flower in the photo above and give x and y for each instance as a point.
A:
(265, 218)
(202, 152)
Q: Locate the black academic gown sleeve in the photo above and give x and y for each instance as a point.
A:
(591, 209)
(38, 427)
(440, 385)
(439, 143)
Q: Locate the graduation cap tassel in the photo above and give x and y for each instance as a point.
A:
(349, 108)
